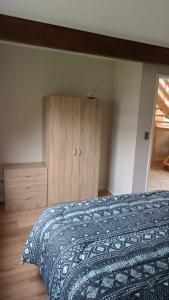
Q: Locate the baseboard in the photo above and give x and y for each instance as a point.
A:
(113, 192)
(109, 190)
(105, 188)
(101, 188)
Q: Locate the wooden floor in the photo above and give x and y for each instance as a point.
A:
(158, 178)
(19, 282)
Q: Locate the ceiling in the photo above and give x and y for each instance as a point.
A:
(139, 20)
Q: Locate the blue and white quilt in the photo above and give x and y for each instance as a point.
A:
(105, 248)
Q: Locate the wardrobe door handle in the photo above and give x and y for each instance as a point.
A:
(27, 198)
(80, 151)
(75, 151)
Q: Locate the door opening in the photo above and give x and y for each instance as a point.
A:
(158, 176)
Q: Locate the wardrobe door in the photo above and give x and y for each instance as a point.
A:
(60, 147)
(88, 148)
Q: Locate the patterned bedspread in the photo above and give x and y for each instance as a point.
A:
(105, 248)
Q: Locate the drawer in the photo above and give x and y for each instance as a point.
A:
(24, 191)
(26, 203)
(26, 185)
(25, 175)
(23, 180)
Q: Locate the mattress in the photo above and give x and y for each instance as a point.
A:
(104, 248)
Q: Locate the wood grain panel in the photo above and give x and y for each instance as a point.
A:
(60, 135)
(71, 148)
(88, 149)
(18, 281)
(26, 202)
(30, 173)
(12, 194)
(25, 188)
(24, 166)
(30, 180)
(28, 184)
(53, 36)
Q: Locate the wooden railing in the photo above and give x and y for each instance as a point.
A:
(162, 104)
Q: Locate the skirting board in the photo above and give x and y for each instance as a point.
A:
(113, 192)
(110, 191)
(105, 188)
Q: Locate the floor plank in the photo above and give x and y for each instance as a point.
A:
(19, 282)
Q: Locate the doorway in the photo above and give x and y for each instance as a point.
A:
(158, 176)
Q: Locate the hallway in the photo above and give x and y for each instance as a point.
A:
(158, 177)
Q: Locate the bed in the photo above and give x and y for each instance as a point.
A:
(105, 248)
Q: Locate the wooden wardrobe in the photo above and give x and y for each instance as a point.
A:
(71, 147)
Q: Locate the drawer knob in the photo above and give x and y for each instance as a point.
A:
(28, 187)
(28, 176)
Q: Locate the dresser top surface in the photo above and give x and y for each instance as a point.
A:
(24, 166)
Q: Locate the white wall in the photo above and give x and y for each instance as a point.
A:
(26, 75)
(147, 101)
(126, 97)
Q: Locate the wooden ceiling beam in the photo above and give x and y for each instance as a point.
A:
(52, 36)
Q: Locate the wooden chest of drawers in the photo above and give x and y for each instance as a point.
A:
(25, 186)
